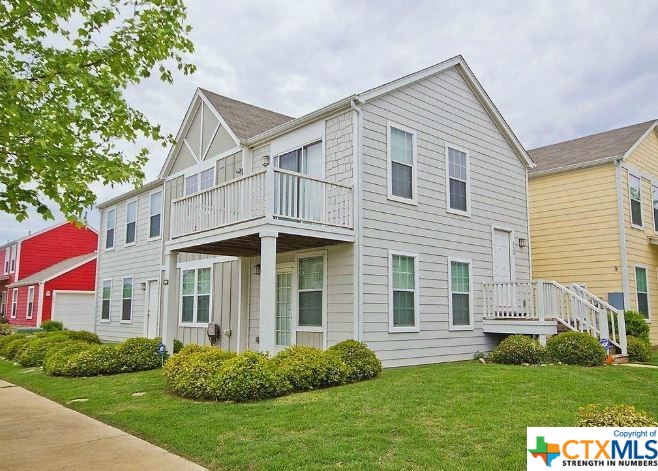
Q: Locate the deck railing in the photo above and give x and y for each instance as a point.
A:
(272, 193)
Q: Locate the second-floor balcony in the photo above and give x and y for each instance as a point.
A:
(271, 195)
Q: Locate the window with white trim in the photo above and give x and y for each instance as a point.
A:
(155, 214)
(14, 302)
(458, 198)
(642, 291)
(403, 292)
(110, 224)
(30, 302)
(14, 254)
(7, 254)
(310, 291)
(635, 193)
(402, 164)
(131, 222)
(3, 303)
(127, 299)
(200, 181)
(195, 295)
(461, 316)
(106, 300)
(654, 198)
(283, 307)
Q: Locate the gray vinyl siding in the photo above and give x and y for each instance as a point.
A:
(340, 298)
(142, 261)
(440, 109)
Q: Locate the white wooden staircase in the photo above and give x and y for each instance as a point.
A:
(543, 308)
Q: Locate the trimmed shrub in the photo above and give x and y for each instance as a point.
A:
(638, 349)
(83, 335)
(189, 373)
(177, 345)
(360, 360)
(575, 348)
(636, 325)
(246, 377)
(95, 360)
(5, 339)
(620, 415)
(52, 326)
(34, 351)
(306, 368)
(59, 357)
(5, 329)
(518, 349)
(10, 349)
(3, 319)
(139, 354)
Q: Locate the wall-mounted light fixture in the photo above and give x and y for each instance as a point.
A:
(165, 282)
(523, 243)
(257, 269)
(143, 286)
(266, 160)
(48, 293)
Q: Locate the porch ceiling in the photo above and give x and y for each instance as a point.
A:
(249, 245)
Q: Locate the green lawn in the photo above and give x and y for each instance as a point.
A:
(452, 416)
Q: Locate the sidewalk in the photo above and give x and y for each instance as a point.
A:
(39, 434)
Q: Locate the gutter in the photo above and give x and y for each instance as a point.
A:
(135, 191)
(566, 168)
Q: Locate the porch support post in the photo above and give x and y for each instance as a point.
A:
(267, 290)
(169, 296)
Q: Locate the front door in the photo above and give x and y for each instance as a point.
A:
(283, 326)
(152, 309)
(502, 255)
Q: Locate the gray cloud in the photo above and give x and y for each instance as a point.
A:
(556, 70)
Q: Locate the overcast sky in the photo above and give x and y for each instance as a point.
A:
(556, 70)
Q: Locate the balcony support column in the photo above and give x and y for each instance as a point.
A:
(169, 313)
(267, 324)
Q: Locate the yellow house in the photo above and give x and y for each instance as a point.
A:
(594, 216)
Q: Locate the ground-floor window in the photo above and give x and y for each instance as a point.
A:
(310, 291)
(459, 278)
(127, 299)
(14, 302)
(195, 295)
(106, 296)
(30, 302)
(403, 292)
(642, 289)
(3, 301)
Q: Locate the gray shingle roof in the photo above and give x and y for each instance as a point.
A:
(588, 149)
(245, 120)
(61, 267)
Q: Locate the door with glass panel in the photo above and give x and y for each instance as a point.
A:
(297, 197)
(283, 308)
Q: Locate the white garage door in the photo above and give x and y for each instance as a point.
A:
(75, 310)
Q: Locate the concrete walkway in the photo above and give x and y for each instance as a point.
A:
(39, 434)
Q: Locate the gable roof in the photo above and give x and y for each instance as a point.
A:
(245, 120)
(55, 270)
(42, 231)
(587, 151)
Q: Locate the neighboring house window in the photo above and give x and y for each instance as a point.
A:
(127, 299)
(635, 191)
(155, 215)
(310, 291)
(642, 289)
(457, 185)
(195, 296)
(109, 228)
(7, 261)
(403, 292)
(654, 197)
(3, 302)
(131, 222)
(461, 316)
(30, 302)
(14, 302)
(14, 251)
(200, 181)
(402, 164)
(106, 300)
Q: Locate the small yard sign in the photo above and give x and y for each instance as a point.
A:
(161, 351)
(605, 343)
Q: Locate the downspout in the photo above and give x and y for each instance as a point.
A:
(357, 124)
(622, 235)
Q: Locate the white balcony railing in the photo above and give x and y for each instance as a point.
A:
(273, 193)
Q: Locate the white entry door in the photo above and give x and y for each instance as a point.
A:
(503, 262)
(152, 306)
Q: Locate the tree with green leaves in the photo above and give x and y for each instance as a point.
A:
(64, 68)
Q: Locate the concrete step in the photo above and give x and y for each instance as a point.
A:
(618, 359)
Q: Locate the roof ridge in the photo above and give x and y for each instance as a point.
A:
(205, 90)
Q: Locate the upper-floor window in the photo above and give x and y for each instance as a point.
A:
(401, 164)
(155, 214)
(306, 160)
(457, 184)
(13, 254)
(403, 292)
(131, 222)
(200, 181)
(635, 192)
(654, 197)
(7, 255)
(109, 228)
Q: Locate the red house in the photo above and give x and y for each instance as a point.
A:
(50, 275)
